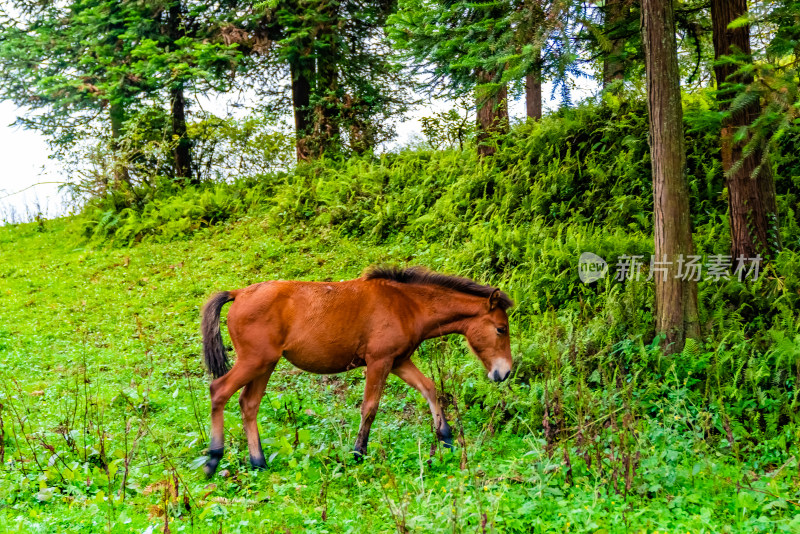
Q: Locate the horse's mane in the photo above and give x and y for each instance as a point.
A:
(421, 275)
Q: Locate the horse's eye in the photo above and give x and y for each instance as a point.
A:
(502, 330)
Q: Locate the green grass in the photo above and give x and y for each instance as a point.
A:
(102, 382)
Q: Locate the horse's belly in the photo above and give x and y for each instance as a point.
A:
(323, 362)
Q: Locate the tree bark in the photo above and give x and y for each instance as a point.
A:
(613, 66)
(752, 206)
(533, 93)
(302, 71)
(326, 129)
(492, 104)
(182, 153)
(675, 297)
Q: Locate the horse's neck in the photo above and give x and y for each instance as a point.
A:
(445, 311)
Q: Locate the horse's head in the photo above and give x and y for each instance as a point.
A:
(488, 337)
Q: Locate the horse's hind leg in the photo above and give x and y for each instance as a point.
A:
(411, 375)
(221, 391)
(250, 401)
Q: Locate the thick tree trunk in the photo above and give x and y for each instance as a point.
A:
(533, 93)
(613, 67)
(676, 298)
(326, 129)
(182, 152)
(492, 104)
(751, 190)
(119, 169)
(302, 72)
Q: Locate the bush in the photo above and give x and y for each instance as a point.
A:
(577, 181)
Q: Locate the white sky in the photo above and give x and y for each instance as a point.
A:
(27, 174)
(23, 163)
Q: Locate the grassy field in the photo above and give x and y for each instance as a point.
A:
(105, 414)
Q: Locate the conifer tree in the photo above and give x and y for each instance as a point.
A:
(751, 188)
(460, 47)
(89, 62)
(345, 81)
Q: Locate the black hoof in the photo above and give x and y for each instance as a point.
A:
(358, 455)
(258, 463)
(446, 437)
(214, 456)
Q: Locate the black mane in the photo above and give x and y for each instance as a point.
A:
(421, 275)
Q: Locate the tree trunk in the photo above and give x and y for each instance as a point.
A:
(302, 71)
(327, 115)
(182, 153)
(119, 167)
(492, 104)
(676, 298)
(751, 190)
(613, 67)
(533, 93)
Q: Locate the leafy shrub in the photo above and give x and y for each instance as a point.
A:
(576, 181)
(166, 217)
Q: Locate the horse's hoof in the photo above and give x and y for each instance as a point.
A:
(214, 456)
(210, 468)
(259, 464)
(446, 438)
(358, 456)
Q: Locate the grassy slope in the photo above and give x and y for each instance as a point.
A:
(99, 355)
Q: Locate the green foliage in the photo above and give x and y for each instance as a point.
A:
(78, 52)
(104, 398)
(104, 404)
(88, 72)
(346, 81)
(94, 53)
(587, 165)
(449, 129)
(225, 150)
(165, 217)
(459, 45)
(234, 148)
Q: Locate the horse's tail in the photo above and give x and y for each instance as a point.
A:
(213, 348)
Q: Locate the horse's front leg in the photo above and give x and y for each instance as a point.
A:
(412, 376)
(377, 371)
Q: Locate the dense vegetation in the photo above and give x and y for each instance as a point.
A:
(104, 402)
(645, 403)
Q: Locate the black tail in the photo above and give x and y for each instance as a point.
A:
(213, 349)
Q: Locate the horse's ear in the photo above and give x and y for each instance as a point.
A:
(494, 298)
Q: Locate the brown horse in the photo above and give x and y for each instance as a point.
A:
(377, 320)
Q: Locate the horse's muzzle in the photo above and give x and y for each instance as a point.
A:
(497, 376)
